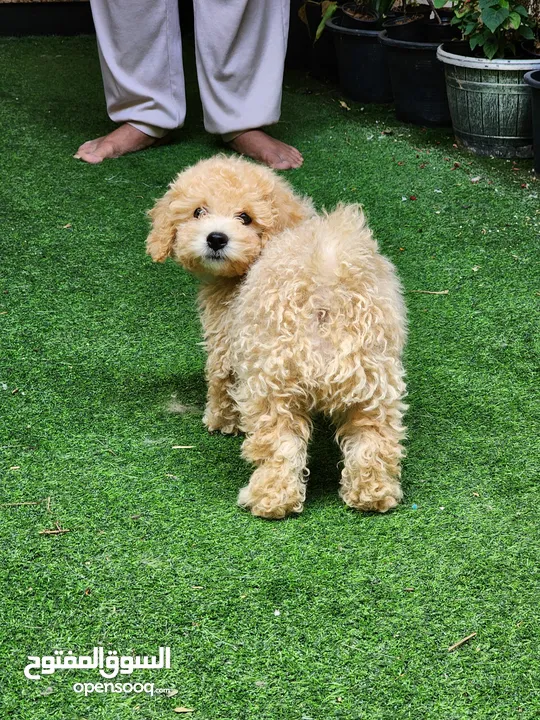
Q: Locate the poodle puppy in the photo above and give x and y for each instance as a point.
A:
(301, 314)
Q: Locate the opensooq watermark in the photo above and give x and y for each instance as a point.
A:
(109, 666)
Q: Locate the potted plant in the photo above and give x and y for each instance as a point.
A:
(418, 83)
(421, 23)
(305, 51)
(532, 79)
(489, 102)
(362, 67)
(532, 47)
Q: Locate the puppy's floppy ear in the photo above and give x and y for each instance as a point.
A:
(159, 243)
(289, 209)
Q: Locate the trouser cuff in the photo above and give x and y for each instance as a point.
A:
(151, 130)
(229, 137)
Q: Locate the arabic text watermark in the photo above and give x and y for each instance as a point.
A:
(109, 665)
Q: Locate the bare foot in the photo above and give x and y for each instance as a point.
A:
(123, 140)
(258, 145)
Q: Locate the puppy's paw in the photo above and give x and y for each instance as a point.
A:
(382, 501)
(270, 505)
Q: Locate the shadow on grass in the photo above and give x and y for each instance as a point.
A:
(323, 460)
(188, 391)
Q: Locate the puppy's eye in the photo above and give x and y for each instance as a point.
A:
(198, 212)
(244, 217)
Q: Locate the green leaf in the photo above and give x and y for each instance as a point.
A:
(330, 10)
(526, 32)
(491, 47)
(521, 10)
(382, 6)
(515, 20)
(439, 3)
(475, 41)
(493, 19)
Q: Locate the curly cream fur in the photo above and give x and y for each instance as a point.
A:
(312, 321)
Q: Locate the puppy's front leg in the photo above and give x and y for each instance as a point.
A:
(215, 301)
(277, 443)
(221, 413)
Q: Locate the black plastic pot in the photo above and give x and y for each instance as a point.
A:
(362, 64)
(418, 82)
(532, 79)
(403, 27)
(529, 49)
(435, 32)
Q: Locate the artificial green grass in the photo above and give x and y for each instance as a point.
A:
(95, 341)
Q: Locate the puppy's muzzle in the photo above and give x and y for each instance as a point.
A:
(217, 241)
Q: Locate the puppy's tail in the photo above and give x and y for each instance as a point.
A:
(342, 241)
(347, 267)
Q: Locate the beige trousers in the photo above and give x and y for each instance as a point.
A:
(240, 52)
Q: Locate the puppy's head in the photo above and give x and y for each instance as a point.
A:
(218, 214)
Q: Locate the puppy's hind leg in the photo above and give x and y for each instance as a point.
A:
(370, 442)
(277, 443)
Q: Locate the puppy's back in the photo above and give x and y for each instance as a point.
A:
(334, 255)
(319, 303)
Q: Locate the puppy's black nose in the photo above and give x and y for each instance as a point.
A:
(217, 240)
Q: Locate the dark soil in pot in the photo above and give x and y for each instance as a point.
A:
(419, 28)
(423, 10)
(359, 17)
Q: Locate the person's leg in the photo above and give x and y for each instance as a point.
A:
(240, 50)
(140, 53)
